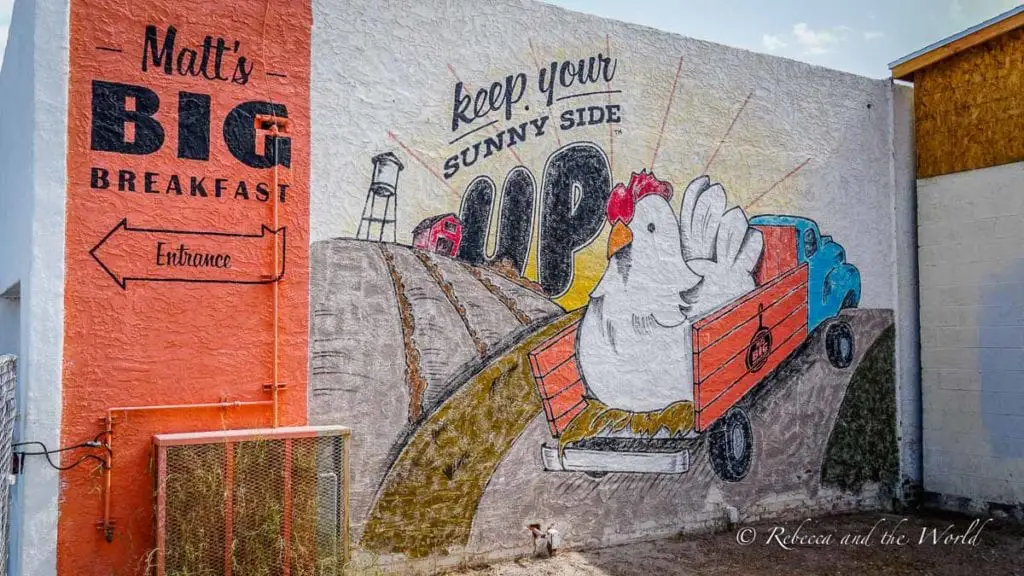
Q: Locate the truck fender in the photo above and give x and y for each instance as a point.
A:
(842, 285)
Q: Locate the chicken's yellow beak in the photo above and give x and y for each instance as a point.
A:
(619, 238)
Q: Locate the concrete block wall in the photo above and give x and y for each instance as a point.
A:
(972, 333)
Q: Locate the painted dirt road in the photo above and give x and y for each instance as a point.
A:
(393, 332)
(792, 415)
(461, 492)
(721, 361)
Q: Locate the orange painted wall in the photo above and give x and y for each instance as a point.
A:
(139, 331)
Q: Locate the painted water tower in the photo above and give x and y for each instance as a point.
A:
(380, 209)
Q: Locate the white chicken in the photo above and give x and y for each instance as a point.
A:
(634, 347)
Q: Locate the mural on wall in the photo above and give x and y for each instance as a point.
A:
(690, 313)
(579, 342)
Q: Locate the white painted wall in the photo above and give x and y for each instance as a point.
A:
(908, 345)
(368, 94)
(971, 229)
(33, 144)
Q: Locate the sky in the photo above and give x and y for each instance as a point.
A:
(859, 36)
(5, 23)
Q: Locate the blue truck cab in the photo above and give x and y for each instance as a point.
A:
(832, 283)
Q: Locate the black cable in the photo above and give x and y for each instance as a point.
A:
(46, 452)
(103, 463)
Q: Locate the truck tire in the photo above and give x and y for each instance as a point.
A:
(731, 446)
(839, 344)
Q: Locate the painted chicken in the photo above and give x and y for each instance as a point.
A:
(663, 273)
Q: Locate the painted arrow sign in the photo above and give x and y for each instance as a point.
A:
(154, 255)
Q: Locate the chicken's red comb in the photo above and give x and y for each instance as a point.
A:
(646, 183)
(623, 199)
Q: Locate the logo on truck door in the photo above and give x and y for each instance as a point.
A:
(760, 346)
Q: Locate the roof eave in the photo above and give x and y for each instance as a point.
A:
(904, 68)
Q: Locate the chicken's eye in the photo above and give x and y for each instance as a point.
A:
(650, 227)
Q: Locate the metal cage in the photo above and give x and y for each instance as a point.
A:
(268, 501)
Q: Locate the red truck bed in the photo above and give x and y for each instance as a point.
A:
(558, 379)
(733, 348)
(727, 358)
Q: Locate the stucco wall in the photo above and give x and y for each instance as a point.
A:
(431, 359)
(33, 144)
(908, 346)
(186, 252)
(401, 94)
(457, 427)
(972, 339)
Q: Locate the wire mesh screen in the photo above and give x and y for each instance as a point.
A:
(8, 384)
(253, 503)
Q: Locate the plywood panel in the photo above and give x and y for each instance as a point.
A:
(969, 110)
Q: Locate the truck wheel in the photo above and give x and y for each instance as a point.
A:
(839, 344)
(731, 446)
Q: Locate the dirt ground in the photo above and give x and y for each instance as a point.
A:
(993, 548)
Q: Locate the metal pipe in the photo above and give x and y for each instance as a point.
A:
(155, 407)
(107, 525)
(108, 528)
(276, 288)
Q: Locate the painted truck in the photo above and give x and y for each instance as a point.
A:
(802, 282)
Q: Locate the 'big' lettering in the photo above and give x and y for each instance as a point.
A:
(116, 107)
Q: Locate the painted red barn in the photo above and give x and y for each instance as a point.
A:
(441, 234)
